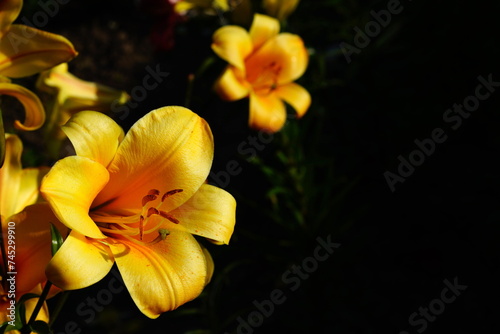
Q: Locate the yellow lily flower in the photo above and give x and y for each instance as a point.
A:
(19, 188)
(280, 9)
(263, 64)
(207, 6)
(25, 51)
(73, 94)
(137, 200)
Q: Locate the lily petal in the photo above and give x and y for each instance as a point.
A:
(229, 87)
(280, 60)
(267, 112)
(35, 113)
(70, 187)
(33, 244)
(163, 276)
(296, 96)
(29, 193)
(169, 148)
(210, 264)
(210, 213)
(263, 28)
(233, 44)
(10, 176)
(94, 136)
(25, 51)
(79, 263)
(9, 11)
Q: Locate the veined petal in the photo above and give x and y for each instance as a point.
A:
(163, 276)
(263, 29)
(229, 87)
(233, 44)
(25, 51)
(70, 187)
(210, 213)
(169, 148)
(33, 244)
(94, 136)
(267, 112)
(10, 176)
(280, 60)
(9, 11)
(35, 113)
(79, 263)
(296, 96)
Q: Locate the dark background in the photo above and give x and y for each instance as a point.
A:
(397, 248)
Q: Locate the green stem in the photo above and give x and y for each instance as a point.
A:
(40, 302)
(58, 308)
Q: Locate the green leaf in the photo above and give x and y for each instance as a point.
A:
(57, 239)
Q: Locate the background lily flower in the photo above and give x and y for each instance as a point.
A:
(262, 66)
(211, 7)
(24, 50)
(280, 9)
(137, 200)
(72, 94)
(19, 188)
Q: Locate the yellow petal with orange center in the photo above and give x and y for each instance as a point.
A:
(94, 136)
(169, 148)
(267, 112)
(70, 187)
(233, 44)
(9, 11)
(163, 276)
(25, 51)
(35, 113)
(263, 29)
(33, 244)
(230, 87)
(79, 263)
(209, 213)
(296, 96)
(280, 60)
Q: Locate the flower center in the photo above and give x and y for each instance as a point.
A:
(267, 76)
(136, 227)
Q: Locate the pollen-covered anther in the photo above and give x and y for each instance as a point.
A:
(152, 211)
(170, 193)
(169, 217)
(148, 198)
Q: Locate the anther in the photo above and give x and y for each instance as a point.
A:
(154, 192)
(170, 193)
(152, 211)
(148, 198)
(169, 217)
(141, 226)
